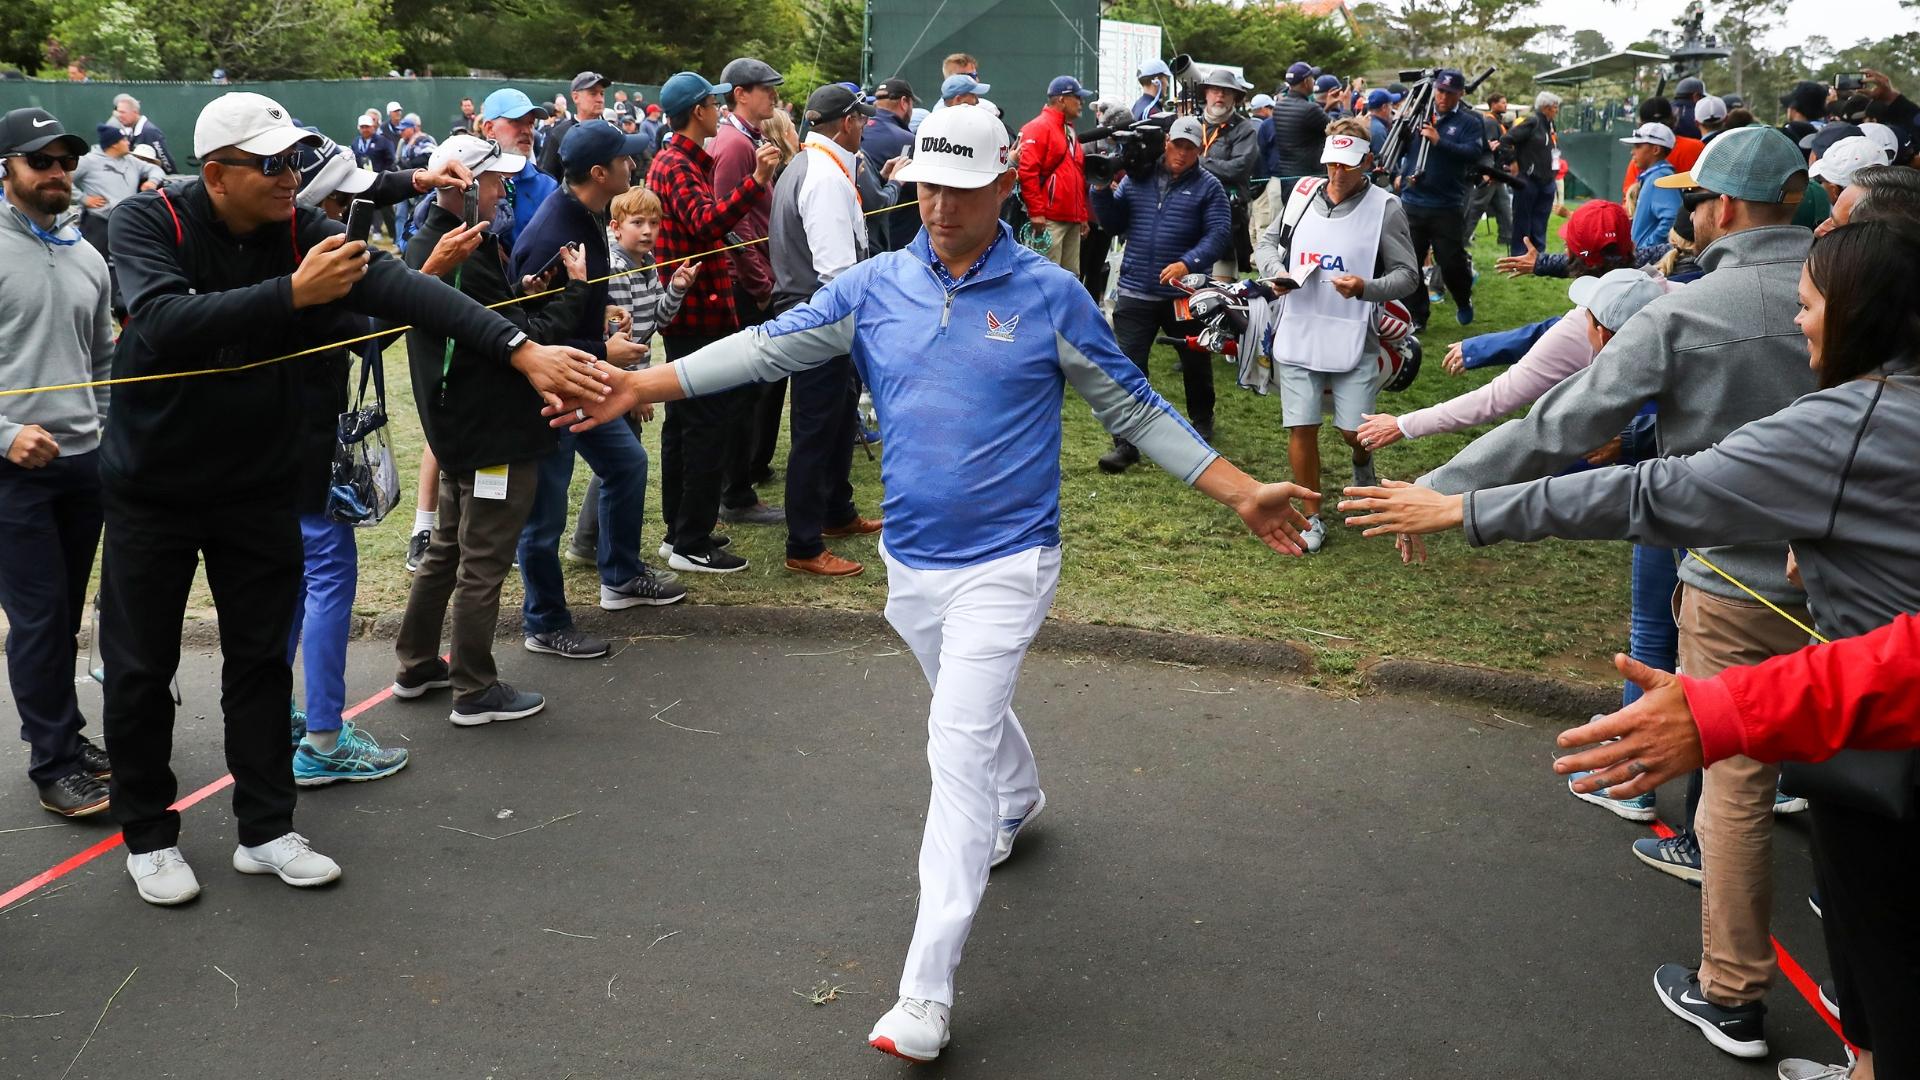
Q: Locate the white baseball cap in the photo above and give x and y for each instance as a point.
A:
(1846, 157)
(1615, 296)
(146, 152)
(250, 123)
(393, 106)
(1710, 108)
(477, 154)
(328, 170)
(1880, 134)
(1260, 101)
(1652, 134)
(1344, 149)
(960, 146)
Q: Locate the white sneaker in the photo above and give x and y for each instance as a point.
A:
(914, 1029)
(1315, 534)
(163, 877)
(1003, 837)
(1802, 1069)
(291, 857)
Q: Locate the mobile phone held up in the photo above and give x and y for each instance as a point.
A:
(553, 263)
(1848, 82)
(470, 205)
(360, 220)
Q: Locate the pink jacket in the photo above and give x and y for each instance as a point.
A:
(1559, 353)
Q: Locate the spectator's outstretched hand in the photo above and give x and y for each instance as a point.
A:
(1519, 265)
(1455, 362)
(1399, 507)
(560, 373)
(1272, 517)
(1378, 430)
(579, 413)
(1657, 738)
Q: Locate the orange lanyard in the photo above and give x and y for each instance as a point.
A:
(838, 164)
(1207, 142)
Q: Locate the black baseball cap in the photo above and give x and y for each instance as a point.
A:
(833, 101)
(588, 80)
(894, 89)
(27, 131)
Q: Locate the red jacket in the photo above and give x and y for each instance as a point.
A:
(1053, 169)
(1862, 693)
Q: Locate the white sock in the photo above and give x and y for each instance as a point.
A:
(324, 741)
(426, 520)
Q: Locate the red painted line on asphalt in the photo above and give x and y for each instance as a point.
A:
(1796, 975)
(62, 869)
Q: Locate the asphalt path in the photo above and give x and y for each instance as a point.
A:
(1235, 877)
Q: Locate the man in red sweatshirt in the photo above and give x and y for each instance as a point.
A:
(1053, 172)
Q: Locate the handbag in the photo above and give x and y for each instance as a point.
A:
(365, 483)
(1877, 782)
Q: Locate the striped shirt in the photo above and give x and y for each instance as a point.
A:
(647, 294)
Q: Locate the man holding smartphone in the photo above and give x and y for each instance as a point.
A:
(227, 271)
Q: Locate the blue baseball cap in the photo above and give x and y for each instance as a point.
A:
(685, 89)
(1325, 83)
(1377, 98)
(1449, 80)
(1300, 70)
(509, 104)
(1067, 84)
(961, 83)
(596, 142)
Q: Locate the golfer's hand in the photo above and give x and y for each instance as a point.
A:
(1173, 272)
(33, 447)
(1519, 265)
(1399, 507)
(1378, 430)
(453, 248)
(562, 372)
(1657, 738)
(1270, 514)
(330, 270)
(1455, 362)
(579, 414)
(1349, 285)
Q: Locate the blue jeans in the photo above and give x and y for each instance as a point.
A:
(615, 455)
(323, 615)
(1652, 636)
(1532, 208)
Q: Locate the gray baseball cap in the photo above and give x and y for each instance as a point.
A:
(746, 71)
(1616, 296)
(1188, 128)
(587, 80)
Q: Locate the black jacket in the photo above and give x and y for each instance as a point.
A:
(205, 298)
(486, 413)
(1299, 135)
(1531, 141)
(550, 162)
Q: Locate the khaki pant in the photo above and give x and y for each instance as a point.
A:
(468, 557)
(1262, 211)
(1063, 245)
(1735, 821)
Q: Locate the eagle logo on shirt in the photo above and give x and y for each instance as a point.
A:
(999, 329)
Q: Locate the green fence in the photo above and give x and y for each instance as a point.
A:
(1021, 44)
(328, 104)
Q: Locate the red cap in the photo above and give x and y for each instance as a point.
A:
(652, 109)
(1597, 229)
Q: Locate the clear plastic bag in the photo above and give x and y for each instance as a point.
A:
(364, 486)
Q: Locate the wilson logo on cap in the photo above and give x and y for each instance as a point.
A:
(938, 144)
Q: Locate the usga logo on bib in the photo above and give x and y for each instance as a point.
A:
(1326, 262)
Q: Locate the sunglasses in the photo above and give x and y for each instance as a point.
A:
(268, 166)
(1693, 198)
(39, 162)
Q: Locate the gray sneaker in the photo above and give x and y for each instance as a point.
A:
(757, 514)
(646, 590)
(1802, 1069)
(496, 702)
(569, 643)
(1314, 535)
(1364, 474)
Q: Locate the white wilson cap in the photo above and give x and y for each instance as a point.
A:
(250, 123)
(1344, 149)
(1846, 157)
(1656, 134)
(1615, 296)
(961, 146)
(477, 154)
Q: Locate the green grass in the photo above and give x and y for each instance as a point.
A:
(1142, 550)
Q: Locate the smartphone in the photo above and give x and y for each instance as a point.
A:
(553, 262)
(1849, 81)
(360, 220)
(470, 207)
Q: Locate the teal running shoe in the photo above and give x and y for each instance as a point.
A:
(355, 757)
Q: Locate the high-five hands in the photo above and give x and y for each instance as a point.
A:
(560, 373)
(579, 413)
(1403, 510)
(1269, 513)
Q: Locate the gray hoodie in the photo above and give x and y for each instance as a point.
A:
(57, 323)
(1717, 354)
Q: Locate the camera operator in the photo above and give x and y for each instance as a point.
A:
(1230, 151)
(1436, 198)
(1176, 220)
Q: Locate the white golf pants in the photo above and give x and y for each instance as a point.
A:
(970, 629)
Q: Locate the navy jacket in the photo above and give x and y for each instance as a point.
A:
(1444, 184)
(1188, 220)
(886, 138)
(563, 219)
(376, 150)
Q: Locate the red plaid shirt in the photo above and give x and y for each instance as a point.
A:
(693, 223)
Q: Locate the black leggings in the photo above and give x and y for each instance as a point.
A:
(1868, 871)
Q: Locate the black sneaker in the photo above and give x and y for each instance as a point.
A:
(1205, 428)
(715, 561)
(645, 590)
(417, 549)
(1678, 855)
(569, 643)
(93, 760)
(715, 541)
(757, 514)
(1830, 997)
(74, 795)
(438, 677)
(1117, 460)
(496, 702)
(1740, 1030)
